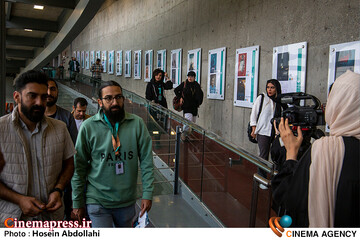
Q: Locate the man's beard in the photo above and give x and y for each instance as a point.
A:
(114, 113)
(31, 113)
(52, 102)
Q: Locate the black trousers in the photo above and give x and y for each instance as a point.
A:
(264, 143)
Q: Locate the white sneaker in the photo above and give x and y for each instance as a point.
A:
(263, 187)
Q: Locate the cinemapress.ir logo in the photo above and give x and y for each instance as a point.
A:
(277, 224)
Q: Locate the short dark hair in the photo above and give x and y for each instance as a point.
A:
(108, 84)
(51, 79)
(98, 60)
(31, 76)
(81, 101)
(191, 74)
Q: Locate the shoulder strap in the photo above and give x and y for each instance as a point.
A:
(261, 104)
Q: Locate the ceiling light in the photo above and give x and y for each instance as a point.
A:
(28, 30)
(39, 7)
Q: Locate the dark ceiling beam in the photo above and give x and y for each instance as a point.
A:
(8, 11)
(70, 4)
(34, 24)
(19, 53)
(24, 41)
(15, 63)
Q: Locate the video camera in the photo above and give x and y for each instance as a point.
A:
(299, 113)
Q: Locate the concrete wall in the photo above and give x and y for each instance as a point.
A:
(209, 24)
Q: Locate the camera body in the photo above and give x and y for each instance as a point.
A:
(299, 113)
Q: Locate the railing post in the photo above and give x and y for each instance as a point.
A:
(177, 159)
(254, 198)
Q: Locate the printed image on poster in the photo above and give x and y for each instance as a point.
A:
(173, 60)
(78, 56)
(119, 63)
(87, 59)
(173, 76)
(92, 58)
(137, 64)
(345, 60)
(194, 63)
(82, 62)
(104, 60)
(176, 67)
(283, 67)
(213, 83)
(213, 60)
(161, 60)
(128, 63)
(148, 65)
(159, 56)
(111, 62)
(97, 55)
(241, 89)
(191, 62)
(242, 65)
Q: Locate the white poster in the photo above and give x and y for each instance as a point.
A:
(343, 57)
(128, 63)
(137, 64)
(98, 55)
(111, 62)
(92, 58)
(216, 74)
(87, 59)
(119, 63)
(148, 65)
(104, 60)
(161, 59)
(175, 69)
(82, 62)
(289, 66)
(194, 63)
(78, 56)
(246, 76)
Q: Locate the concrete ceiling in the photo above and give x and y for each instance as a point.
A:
(23, 48)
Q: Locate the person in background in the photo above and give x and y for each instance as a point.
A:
(96, 69)
(262, 128)
(191, 98)
(110, 146)
(322, 189)
(74, 68)
(79, 111)
(38, 154)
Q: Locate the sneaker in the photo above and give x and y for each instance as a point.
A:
(263, 187)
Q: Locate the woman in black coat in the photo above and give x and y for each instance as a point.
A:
(155, 88)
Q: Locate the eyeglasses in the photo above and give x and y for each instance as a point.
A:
(109, 99)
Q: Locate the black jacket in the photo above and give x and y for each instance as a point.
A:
(155, 91)
(193, 96)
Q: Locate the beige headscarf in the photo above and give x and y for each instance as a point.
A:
(343, 117)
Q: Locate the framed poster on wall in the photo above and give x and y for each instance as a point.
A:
(128, 63)
(246, 76)
(289, 66)
(104, 60)
(216, 74)
(194, 63)
(161, 59)
(119, 63)
(137, 64)
(175, 69)
(111, 62)
(148, 65)
(92, 58)
(87, 58)
(82, 62)
(342, 57)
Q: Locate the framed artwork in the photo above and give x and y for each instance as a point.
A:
(87, 57)
(246, 76)
(128, 63)
(175, 69)
(119, 63)
(98, 55)
(216, 74)
(111, 62)
(82, 62)
(194, 63)
(78, 57)
(342, 57)
(148, 69)
(104, 60)
(92, 58)
(289, 66)
(137, 64)
(161, 59)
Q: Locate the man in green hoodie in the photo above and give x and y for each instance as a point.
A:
(109, 147)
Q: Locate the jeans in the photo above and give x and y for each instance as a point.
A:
(110, 217)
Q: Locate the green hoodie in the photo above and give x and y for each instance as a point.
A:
(95, 163)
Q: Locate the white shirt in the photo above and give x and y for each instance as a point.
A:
(263, 125)
(78, 123)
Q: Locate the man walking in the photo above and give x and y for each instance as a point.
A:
(96, 69)
(109, 146)
(38, 154)
(74, 68)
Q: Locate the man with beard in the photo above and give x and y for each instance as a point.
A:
(57, 112)
(38, 155)
(109, 146)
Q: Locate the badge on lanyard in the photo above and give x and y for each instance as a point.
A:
(119, 168)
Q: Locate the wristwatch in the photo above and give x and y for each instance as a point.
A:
(57, 190)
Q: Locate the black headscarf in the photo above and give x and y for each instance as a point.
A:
(276, 97)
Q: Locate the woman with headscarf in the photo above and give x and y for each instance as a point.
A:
(155, 88)
(322, 189)
(262, 129)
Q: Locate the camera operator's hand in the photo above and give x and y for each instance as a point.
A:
(291, 142)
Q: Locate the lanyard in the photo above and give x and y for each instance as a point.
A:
(115, 137)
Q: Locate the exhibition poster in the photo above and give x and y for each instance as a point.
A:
(175, 70)
(119, 63)
(137, 64)
(194, 63)
(128, 63)
(216, 74)
(148, 65)
(111, 62)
